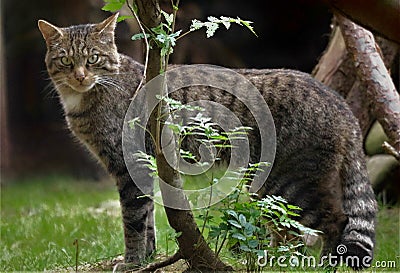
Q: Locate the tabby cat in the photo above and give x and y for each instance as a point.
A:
(319, 162)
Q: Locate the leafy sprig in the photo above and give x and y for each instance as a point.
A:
(164, 35)
(213, 24)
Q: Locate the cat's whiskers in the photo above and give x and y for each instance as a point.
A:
(51, 87)
(116, 73)
(109, 82)
(51, 91)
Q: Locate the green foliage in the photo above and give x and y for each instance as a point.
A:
(276, 209)
(149, 161)
(245, 225)
(169, 18)
(176, 106)
(116, 5)
(213, 24)
(201, 127)
(164, 35)
(113, 5)
(124, 17)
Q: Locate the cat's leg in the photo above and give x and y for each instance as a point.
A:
(332, 232)
(136, 212)
(150, 231)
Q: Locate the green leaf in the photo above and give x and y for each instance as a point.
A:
(214, 232)
(176, 105)
(283, 248)
(168, 17)
(159, 29)
(292, 207)
(123, 18)
(165, 41)
(232, 213)
(234, 223)
(291, 213)
(149, 160)
(133, 122)
(239, 236)
(226, 22)
(253, 243)
(245, 248)
(279, 199)
(187, 155)
(242, 219)
(113, 5)
(260, 253)
(196, 24)
(249, 229)
(294, 233)
(176, 128)
(139, 36)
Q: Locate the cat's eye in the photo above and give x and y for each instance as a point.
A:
(66, 61)
(93, 59)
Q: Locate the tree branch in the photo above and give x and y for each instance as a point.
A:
(336, 69)
(168, 261)
(390, 150)
(371, 70)
(380, 16)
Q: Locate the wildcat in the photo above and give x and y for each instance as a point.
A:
(319, 162)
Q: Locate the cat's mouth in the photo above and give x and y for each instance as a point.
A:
(82, 88)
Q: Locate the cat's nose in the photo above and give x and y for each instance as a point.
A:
(80, 78)
(80, 75)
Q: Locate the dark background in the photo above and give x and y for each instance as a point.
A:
(35, 139)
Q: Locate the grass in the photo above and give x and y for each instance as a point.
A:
(388, 238)
(41, 218)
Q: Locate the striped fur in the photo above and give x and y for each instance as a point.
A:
(319, 162)
(96, 116)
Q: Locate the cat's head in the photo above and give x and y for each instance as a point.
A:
(79, 56)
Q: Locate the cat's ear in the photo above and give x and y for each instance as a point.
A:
(108, 25)
(49, 31)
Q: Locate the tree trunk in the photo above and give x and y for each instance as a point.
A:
(336, 69)
(371, 70)
(192, 245)
(377, 15)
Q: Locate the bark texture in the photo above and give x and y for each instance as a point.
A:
(380, 16)
(336, 69)
(370, 68)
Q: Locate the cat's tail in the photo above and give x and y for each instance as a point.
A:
(356, 246)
